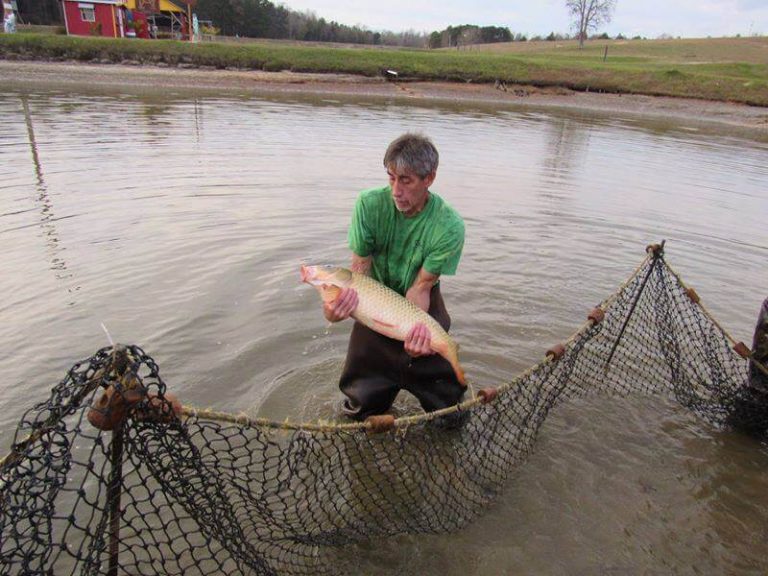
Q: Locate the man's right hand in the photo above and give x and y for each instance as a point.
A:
(342, 307)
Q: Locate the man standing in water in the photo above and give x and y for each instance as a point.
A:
(405, 237)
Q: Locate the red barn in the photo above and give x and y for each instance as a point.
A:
(95, 17)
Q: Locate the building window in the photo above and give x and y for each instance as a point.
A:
(87, 13)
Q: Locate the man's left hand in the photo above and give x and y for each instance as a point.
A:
(418, 342)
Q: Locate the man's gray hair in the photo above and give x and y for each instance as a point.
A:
(413, 152)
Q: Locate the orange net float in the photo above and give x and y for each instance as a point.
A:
(653, 249)
(379, 423)
(596, 315)
(163, 409)
(556, 352)
(742, 350)
(692, 295)
(109, 411)
(487, 395)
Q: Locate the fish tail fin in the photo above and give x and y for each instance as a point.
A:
(459, 373)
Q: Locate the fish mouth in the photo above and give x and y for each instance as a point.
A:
(317, 275)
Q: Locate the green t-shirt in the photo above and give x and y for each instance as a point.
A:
(400, 246)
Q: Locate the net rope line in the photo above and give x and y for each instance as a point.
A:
(744, 352)
(113, 471)
(705, 310)
(243, 419)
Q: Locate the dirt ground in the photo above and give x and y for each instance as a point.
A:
(751, 118)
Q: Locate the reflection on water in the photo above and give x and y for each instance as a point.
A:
(567, 144)
(179, 221)
(47, 216)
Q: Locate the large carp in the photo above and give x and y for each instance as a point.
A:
(382, 309)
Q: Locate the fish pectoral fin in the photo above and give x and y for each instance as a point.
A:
(383, 324)
(329, 292)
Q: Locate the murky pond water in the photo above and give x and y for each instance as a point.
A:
(179, 223)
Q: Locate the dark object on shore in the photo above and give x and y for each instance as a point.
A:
(750, 409)
(390, 75)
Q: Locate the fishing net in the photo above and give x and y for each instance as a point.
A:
(111, 475)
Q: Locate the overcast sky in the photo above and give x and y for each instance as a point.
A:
(649, 18)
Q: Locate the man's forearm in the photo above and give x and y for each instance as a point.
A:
(420, 297)
(361, 264)
(419, 293)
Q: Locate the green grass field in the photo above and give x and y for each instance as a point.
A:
(726, 69)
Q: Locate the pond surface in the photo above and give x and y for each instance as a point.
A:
(179, 223)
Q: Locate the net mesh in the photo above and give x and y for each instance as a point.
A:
(170, 491)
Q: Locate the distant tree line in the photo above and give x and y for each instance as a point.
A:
(43, 12)
(471, 34)
(263, 19)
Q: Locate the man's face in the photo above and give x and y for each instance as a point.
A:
(409, 191)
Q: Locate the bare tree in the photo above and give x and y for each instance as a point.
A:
(588, 15)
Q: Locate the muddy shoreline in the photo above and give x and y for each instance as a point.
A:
(24, 73)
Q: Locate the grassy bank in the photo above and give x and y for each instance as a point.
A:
(717, 69)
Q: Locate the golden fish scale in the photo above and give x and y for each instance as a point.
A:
(381, 303)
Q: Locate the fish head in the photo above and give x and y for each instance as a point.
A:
(329, 280)
(317, 275)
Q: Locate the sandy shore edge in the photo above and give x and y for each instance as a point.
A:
(751, 118)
